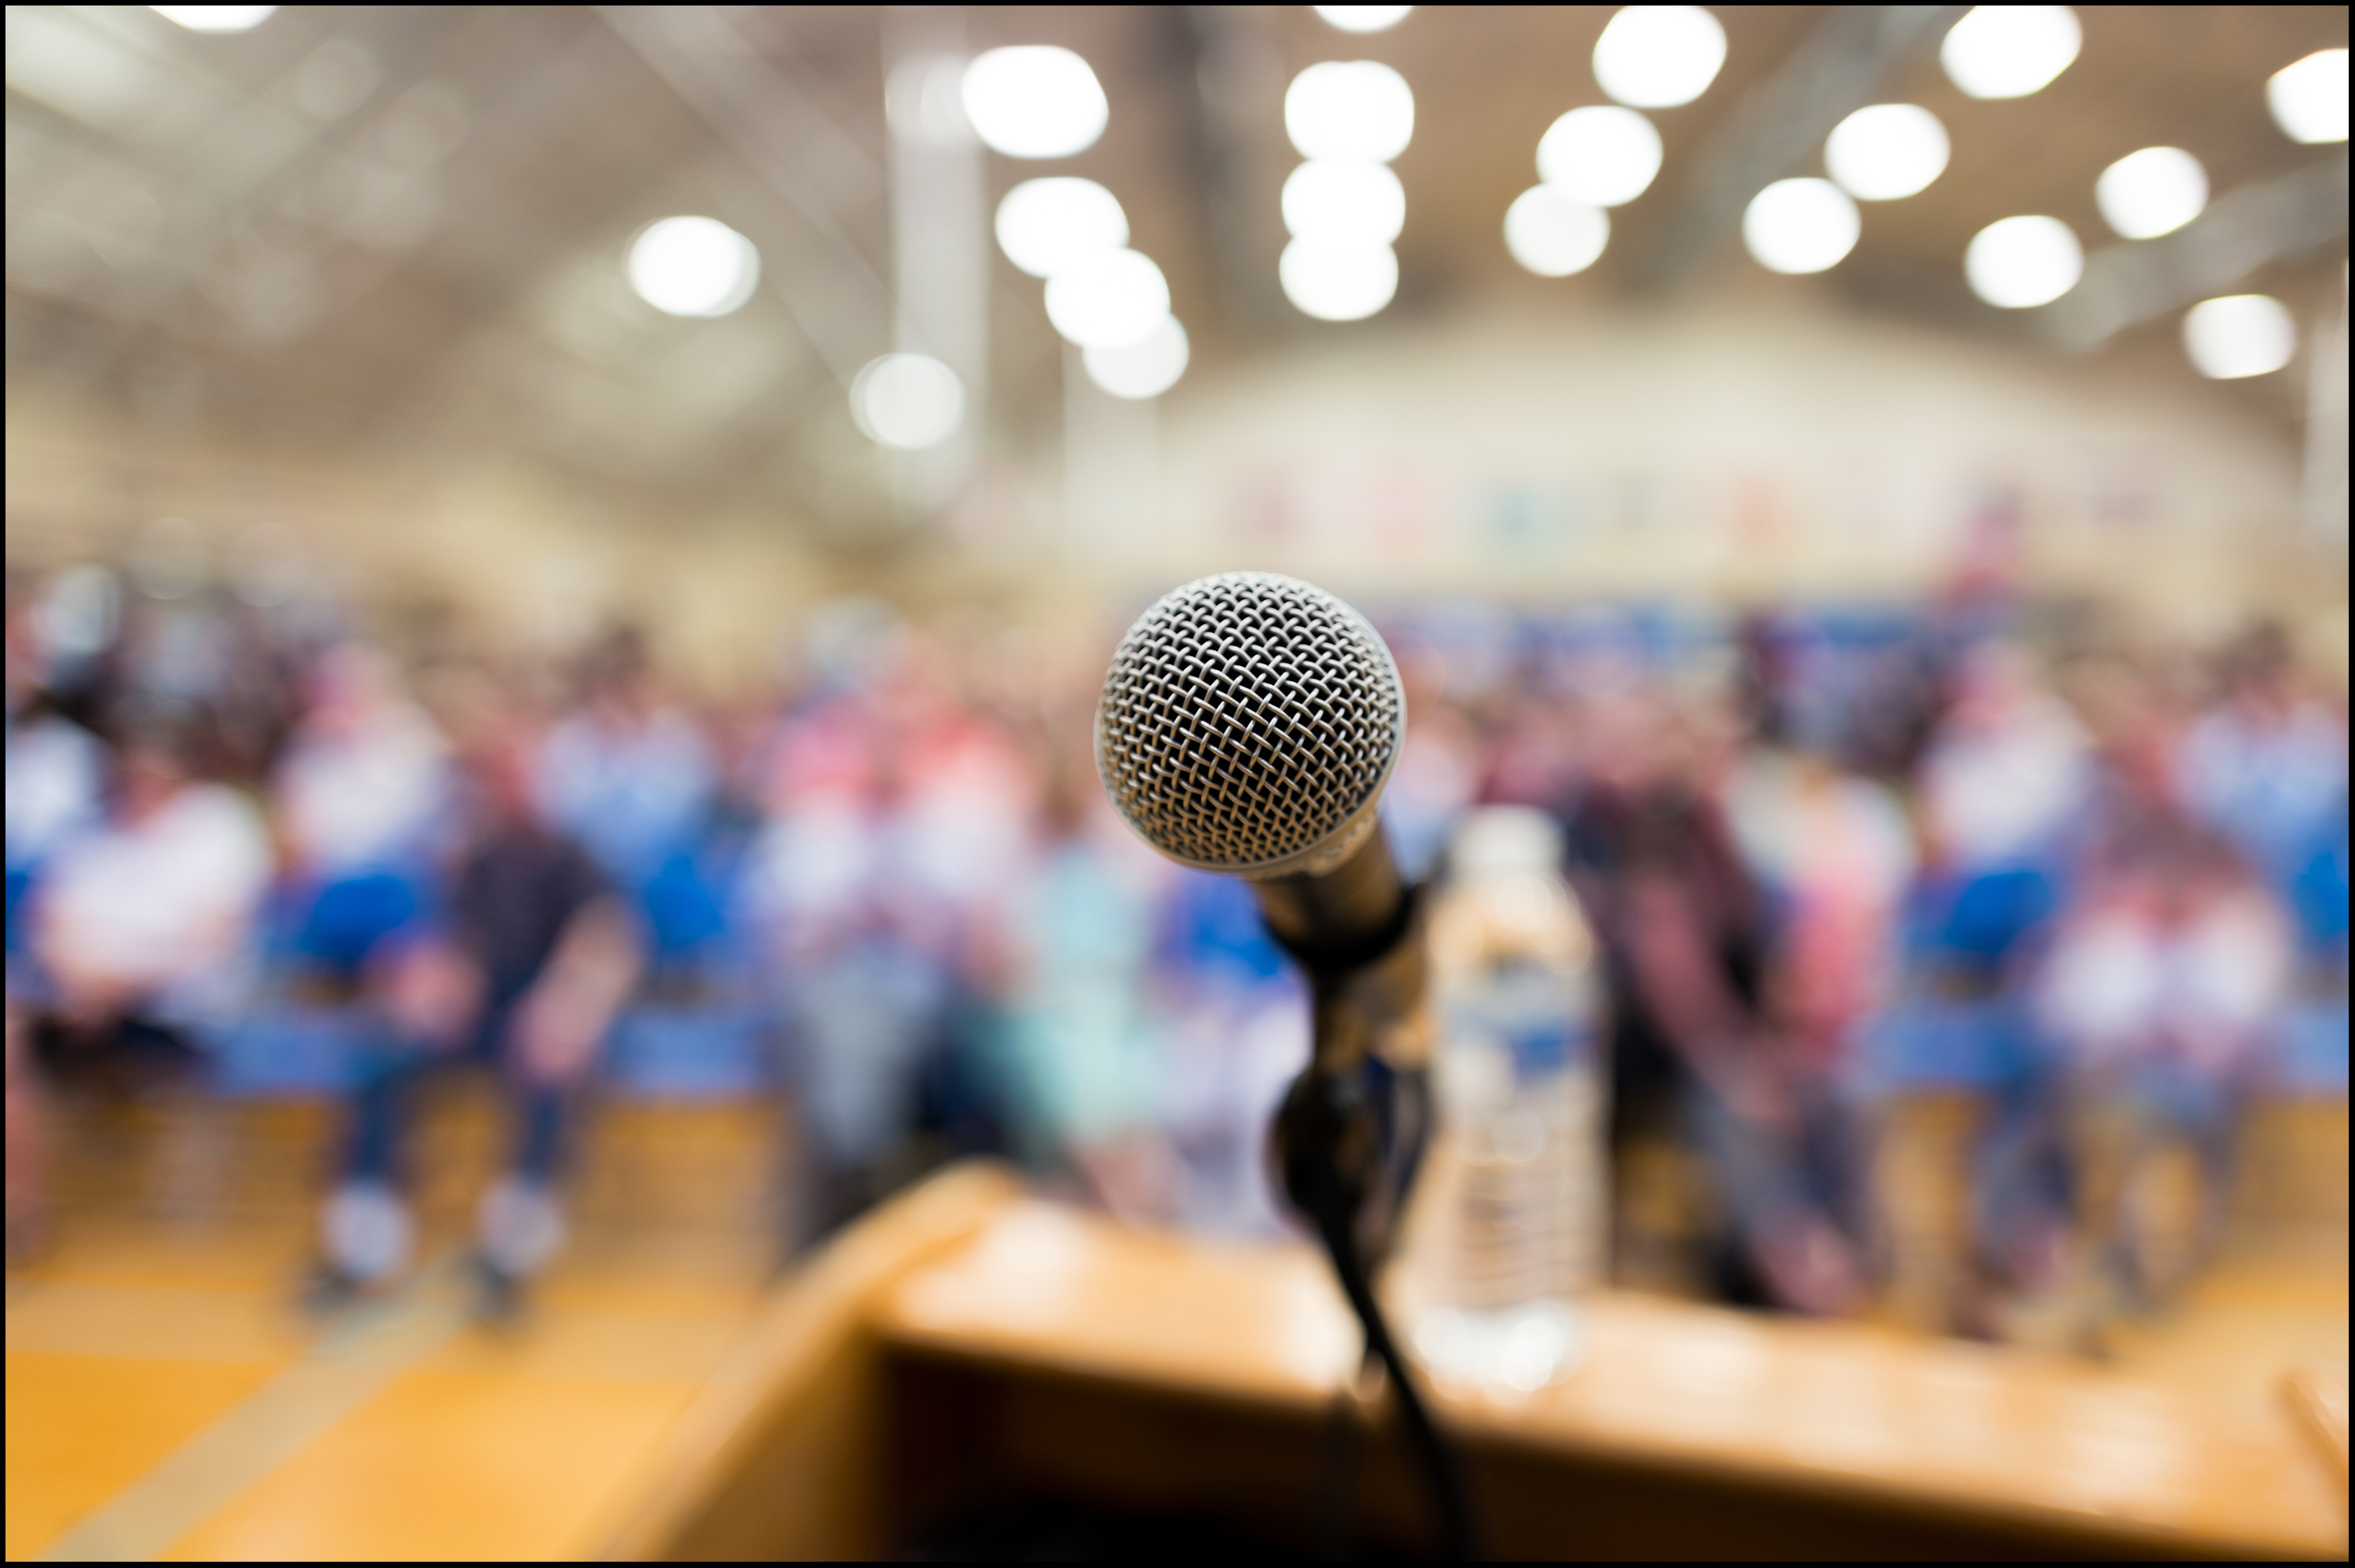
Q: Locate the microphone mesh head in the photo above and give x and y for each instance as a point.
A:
(1247, 723)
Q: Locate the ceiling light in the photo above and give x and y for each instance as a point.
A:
(1143, 369)
(1600, 156)
(216, 18)
(1109, 299)
(1363, 18)
(1345, 202)
(2009, 51)
(2153, 192)
(907, 400)
(1553, 235)
(1800, 225)
(2240, 334)
(1658, 57)
(1044, 226)
(1349, 109)
(1035, 101)
(2310, 99)
(1339, 283)
(1886, 151)
(2021, 262)
(693, 266)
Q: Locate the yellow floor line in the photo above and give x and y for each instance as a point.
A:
(350, 1364)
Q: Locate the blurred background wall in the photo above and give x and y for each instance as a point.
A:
(362, 272)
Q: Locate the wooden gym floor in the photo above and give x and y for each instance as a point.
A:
(167, 1399)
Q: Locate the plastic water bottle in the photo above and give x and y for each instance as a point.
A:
(1509, 1233)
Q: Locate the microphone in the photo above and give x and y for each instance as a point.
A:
(1247, 724)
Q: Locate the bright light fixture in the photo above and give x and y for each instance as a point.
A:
(1359, 109)
(1363, 18)
(2239, 334)
(1044, 226)
(1339, 283)
(1143, 369)
(2153, 192)
(2021, 262)
(1109, 299)
(1658, 57)
(910, 401)
(1553, 235)
(693, 266)
(1345, 203)
(1886, 151)
(216, 18)
(1599, 155)
(1800, 225)
(1034, 100)
(2310, 99)
(2011, 51)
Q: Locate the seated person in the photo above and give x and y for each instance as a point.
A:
(137, 927)
(525, 971)
(2161, 987)
(360, 791)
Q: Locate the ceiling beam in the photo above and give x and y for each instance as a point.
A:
(834, 292)
(2240, 232)
(1237, 168)
(1836, 71)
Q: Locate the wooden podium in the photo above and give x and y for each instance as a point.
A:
(965, 1344)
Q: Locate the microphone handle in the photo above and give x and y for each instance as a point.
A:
(1343, 919)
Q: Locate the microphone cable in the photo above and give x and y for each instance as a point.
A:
(1334, 1216)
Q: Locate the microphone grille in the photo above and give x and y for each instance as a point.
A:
(1247, 720)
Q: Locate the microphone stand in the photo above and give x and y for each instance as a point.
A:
(1351, 1131)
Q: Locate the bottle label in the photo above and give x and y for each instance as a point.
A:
(1540, 1017)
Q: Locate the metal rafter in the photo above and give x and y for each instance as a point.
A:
(1836, 71)
(2240, 232)
(834, 292)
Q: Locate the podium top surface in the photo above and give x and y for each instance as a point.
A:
(1967, 1431)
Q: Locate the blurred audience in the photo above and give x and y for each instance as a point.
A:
(1837, 864)
(1078, 1009)
(897, 833)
